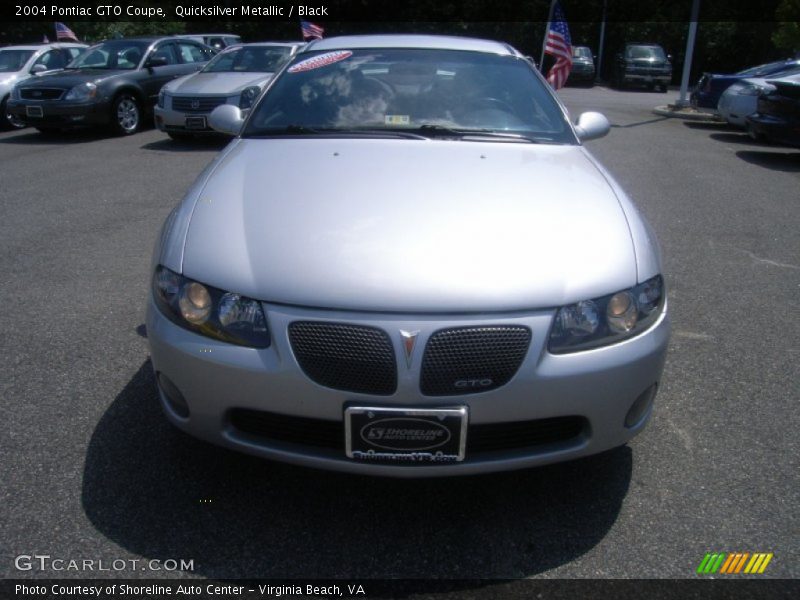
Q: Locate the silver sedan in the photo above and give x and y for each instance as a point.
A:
(235, 76)
(408, 264)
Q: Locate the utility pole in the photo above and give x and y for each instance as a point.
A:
(687, 63)
(602, 41)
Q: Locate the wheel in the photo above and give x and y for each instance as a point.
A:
(7, 120)
(125, 115)
(180, 137)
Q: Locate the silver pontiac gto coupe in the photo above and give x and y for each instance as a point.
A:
(407, 264)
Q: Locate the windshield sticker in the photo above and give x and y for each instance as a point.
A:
(323, 60)
(397, 120)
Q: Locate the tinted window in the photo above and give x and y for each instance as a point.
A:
(764, 69)
(258, 59)
(74, 52)
(166, 51)
(648, 52)
(409, 88)
(53, 59)
(581, 52)
(13, 60)
(114, 54)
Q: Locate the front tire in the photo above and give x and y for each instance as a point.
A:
(7, 120)
(126, 115)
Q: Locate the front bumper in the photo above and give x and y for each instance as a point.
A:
(775, 129)
(170, 120)
(598, 385)
(60, 114)
(643, 79)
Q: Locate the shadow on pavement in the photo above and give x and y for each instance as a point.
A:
(788, 162)
(721, 126)
(735, 138)
(31, 136)
(200, 143)
(640, 123)
(162, 494)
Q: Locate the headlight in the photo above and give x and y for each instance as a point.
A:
(750, 90)
(606, 320)
(209, 311)
(248, 96)
(84, 91)
(161, 98)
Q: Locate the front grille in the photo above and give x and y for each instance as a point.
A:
(37, 93)
(198, 104)
(469, 360)
(489, 437)
(345, 357)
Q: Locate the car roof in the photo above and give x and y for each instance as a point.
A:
(432, 42)
(41, 45)
(281, 44)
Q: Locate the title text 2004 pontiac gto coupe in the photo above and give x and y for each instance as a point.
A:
(407, 264)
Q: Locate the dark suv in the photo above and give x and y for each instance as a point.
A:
(642, 64)
(113, 83)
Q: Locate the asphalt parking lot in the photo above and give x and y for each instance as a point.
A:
(91, 470)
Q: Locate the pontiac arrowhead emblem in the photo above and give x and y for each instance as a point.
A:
(409, 341)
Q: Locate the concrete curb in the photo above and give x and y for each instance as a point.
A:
(687, 114)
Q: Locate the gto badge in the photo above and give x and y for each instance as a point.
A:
(409, 341)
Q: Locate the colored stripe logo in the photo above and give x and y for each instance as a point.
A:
(732, 563)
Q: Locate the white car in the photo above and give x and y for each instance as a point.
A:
(740, 99)
(18, 63)
(234, 76)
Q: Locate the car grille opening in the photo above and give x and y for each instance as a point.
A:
(481, 438)
(345, 357)
(37, 93)
(197, 104)
(470, 360)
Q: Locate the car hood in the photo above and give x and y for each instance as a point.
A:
(217, 83)
(72, 77)
(406, 225)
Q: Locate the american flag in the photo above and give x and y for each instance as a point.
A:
(559, 45)
(65, 33)
(311, 31)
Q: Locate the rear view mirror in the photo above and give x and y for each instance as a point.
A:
(157, 61)
(592, 125)
(226, 119)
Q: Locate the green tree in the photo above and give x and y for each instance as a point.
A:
(787, 35)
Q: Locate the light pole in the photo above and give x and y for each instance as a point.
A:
(687, 63)
(602, 40)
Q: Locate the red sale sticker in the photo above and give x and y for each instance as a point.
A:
(323, 60)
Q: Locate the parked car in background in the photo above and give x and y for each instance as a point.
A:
(218, 41)
(777, 118)
(398, 317)
(18, 63)
(709, 88)
(234, 76)
(583, 70)
(741, 99)
(642, 64)
(111, 84)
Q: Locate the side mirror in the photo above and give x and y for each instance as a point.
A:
(226, 118)
(591, 125)
(156, 61)
(669, 57)
(38, 69)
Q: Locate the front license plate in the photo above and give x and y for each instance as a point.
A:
(406, 435)
(33, 111)
(195, 122)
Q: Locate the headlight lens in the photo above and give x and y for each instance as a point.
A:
(750, 90)
(84, 91)
(161, 97)
(601, 321)
(210, 311)
(248, 96)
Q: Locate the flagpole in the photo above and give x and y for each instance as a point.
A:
(546, 29)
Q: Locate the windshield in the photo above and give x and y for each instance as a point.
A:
(646, 52)
(12, 61)
(581, 52)
(256, 59)
(114, 54)
(435, 93)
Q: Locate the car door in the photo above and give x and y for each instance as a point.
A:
(154, 77)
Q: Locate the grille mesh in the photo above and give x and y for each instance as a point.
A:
(204, 103)
(470, 360)
(345, 357)
(490, 437)
(37, 93)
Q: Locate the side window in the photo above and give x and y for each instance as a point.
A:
(167, 51)
(74, 52)
(54, 59)
(191, 53)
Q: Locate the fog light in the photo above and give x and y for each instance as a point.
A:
(640, 407)
(173, 396)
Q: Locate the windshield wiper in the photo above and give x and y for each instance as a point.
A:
(443, 131)
(334, 131)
